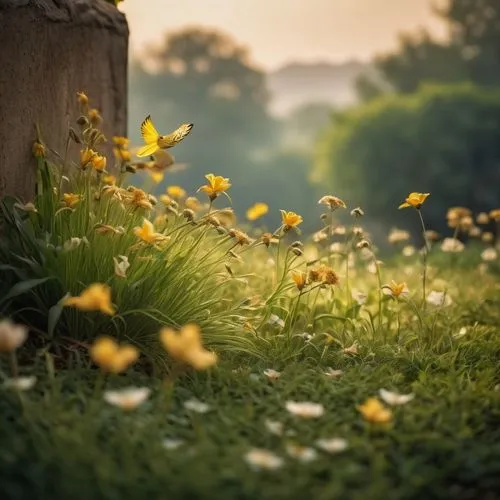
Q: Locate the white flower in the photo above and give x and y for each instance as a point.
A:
(372, 266)
(276, 320)
(330, 372)
(272, 374)
(259, 458)
(359, 297)
(438, 298)
(274, 427)
(305, 409)
(20, 383)
(334, 445)
(121, 266)
(128, 398)
(353, 349)
(12, 336)
(28, 207)
(74, 243)
(461, 333)
(489, 254)
(337, 247)
(172, 444)
(196, 406)
(398, 236)
(395, 399)
(452, 245)
(301, 453)
(408, 251)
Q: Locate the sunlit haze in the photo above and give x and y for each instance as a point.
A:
(331, 30)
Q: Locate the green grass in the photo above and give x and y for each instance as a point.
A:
(60, 440)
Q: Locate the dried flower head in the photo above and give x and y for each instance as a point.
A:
(332, 201)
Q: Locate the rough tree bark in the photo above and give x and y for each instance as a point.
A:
(49, 50)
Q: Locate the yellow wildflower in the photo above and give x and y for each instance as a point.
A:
(495, 214)
(290, 219)
(86, 156)
(95, 117)
(332, 201)
(185, 346)
(121, 141)
(83, 100)
(415, 200)
(215, 186)
(300, 279)
(38, 150)
(375, 412)
(395, 289)
(99, 162)
(111, 357)
(109, 180)
(193, 203)
(122, 154)
(147, 234)
(97, 297)
(176, 192)
(71, 199)
(257, 210)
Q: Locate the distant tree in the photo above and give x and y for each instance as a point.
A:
(472, 52)
(203, 76)
(442, 139)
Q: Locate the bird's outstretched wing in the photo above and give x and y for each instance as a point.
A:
(149, 132)
(177, 135)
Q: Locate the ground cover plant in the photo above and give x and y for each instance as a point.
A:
(156, 346)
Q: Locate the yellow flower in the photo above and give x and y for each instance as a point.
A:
(185, 346)
(109, 180)
(38, 150)
(111, 357)
(138, 198)
(215, 186)
(415, 200)
(99, 162)
(395, 289)
(290, 219)
(95, 117)
(332, 201)
(495, 214)
(83, 100)
(12, 336)
(86, 156)
(176, 192)
(257, 210)
(193, 203)
(71, 199)
(97, 297)
(121, 141)
(122, 154)
(375, 412)
(147, 234)
(300, 279)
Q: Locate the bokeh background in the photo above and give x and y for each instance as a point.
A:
(364, 99)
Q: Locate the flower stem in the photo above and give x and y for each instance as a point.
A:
(426, 251)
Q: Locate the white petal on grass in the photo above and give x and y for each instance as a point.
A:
(20, 383)
(305, 409)
(302, 453)
(274, 427)
(272, 374)
(333, 445)
(172, 444)
(359, 297)
(461, 333)
(489, 254)
(438, 299)
(121, 266)
(128, 398)
(196, 406)
(274, 319)
(330, 372)
(394, 398)
(259, 458)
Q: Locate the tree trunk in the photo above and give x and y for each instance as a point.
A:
(49, 50)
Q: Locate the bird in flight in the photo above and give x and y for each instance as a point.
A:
(154, 141)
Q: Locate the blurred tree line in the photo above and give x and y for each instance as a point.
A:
(204, 77)
(420, 128)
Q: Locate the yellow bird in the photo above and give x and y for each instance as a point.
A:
(154, 141)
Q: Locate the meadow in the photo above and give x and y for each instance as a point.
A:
(157, 346)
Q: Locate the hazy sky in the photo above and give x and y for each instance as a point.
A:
(277, 31)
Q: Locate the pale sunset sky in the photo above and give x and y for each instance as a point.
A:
(279, 31)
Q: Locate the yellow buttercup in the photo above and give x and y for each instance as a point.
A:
(154, 141)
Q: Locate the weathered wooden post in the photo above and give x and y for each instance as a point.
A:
(49, 50)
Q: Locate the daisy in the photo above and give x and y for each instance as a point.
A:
(127, 399)
(333, 445)
(196, 406)
(259, 458)
(305, 409)
(394, 398)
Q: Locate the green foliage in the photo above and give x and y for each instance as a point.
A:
(442, 140)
